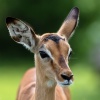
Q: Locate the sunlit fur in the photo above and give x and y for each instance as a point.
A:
(50, 78)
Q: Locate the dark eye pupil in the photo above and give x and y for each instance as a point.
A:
(43, 54)
(70, 54)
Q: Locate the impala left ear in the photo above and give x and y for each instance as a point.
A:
(69, 25)
(22, 33)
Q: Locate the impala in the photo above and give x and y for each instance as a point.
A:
(50, 78)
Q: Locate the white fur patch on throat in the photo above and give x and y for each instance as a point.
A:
(50, 83)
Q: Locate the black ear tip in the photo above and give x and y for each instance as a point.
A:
(76, 9)
(74, 13)
(10, 20)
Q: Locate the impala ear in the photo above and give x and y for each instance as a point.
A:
(22, 33)
(70, 23)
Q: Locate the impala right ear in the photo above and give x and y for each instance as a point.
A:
(69, 25)
(22, 33)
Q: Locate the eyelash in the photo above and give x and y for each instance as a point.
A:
(43, 54)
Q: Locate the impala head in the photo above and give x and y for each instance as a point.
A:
(52, 50)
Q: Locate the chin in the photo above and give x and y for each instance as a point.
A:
(65, 83)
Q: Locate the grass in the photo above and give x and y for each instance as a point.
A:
(85, 87)
(86, 84)
(11, 73)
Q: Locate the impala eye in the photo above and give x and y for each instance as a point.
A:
(70, 55)
(43, 54)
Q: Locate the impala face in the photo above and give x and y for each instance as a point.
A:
(54, 53)
(52, 50)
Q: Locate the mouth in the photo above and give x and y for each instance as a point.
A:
(65, 83)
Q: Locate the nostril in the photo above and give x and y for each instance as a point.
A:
(66, 77)
(71, 76)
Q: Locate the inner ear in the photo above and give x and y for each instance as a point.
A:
(69, 25)
(21, 32)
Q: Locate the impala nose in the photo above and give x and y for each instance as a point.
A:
(66, 77)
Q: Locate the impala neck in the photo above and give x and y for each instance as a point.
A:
(43, 91)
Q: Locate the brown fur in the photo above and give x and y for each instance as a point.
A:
(26, 89)
(43, 82)
(27, 93)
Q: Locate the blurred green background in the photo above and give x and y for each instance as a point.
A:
(47, 16)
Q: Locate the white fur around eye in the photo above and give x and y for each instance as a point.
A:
(46, 51)
(70, 50)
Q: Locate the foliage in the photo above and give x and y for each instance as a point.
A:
(47, 16)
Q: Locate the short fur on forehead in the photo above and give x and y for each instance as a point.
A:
(54, 38)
